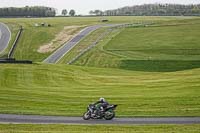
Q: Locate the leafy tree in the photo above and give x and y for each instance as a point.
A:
(96, 12)
(72, 12)
(64, 12)
(91, 12)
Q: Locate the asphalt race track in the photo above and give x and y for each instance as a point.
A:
(58, 54)
(69, 45)
(34, 119)
(5, 36)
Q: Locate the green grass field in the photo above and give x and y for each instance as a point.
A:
(148, 71)
(168, 46)
(34, 37)
(67, 90)
(99, 129)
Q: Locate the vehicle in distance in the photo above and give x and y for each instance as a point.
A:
(93, 113)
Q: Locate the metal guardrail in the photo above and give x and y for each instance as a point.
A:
(13, 61)
(11, 52)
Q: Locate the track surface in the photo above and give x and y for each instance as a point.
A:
(54, 58)
(5, 36)
(34, 119)
(58, 54)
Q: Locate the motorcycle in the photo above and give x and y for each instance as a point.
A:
(107, 114)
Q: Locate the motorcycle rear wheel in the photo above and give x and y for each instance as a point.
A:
(109, 116)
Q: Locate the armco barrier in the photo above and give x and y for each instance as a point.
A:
(13, 61)
(11, 52)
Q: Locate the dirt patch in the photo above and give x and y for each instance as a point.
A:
(65, 35)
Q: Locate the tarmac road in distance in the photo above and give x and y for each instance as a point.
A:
(5, 36)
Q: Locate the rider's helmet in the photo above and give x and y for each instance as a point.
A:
(102, 99)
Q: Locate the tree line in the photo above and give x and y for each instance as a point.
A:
(152, 10)
(34, 11)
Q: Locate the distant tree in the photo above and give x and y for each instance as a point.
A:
(96, 12)
(72, 12)
(64, 12)
(91, 12)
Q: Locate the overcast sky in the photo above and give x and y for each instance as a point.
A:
(84, 6)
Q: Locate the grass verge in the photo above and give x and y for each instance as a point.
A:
(99, 128)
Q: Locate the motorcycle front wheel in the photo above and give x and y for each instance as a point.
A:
(87, 115)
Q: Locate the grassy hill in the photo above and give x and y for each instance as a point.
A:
(34, 37)
(67, 90)
(165, 46)
(148, 71)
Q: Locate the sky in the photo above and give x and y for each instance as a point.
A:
(84, 6)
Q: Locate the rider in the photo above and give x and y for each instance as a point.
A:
(101, 105)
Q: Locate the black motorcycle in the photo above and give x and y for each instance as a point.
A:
(93, 113)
